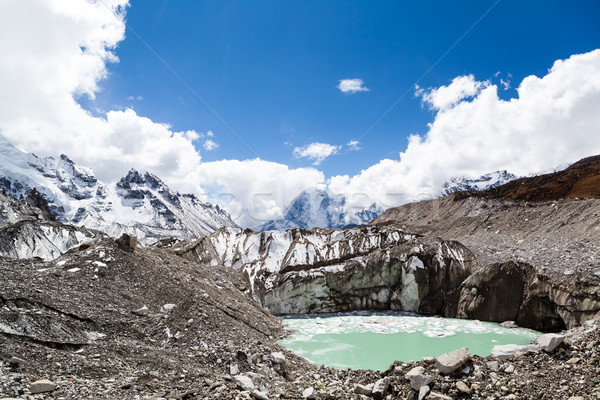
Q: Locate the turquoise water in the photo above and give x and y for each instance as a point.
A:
(373, 340)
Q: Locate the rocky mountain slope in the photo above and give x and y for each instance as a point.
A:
(537, 241)
(318, 208)
(139, 204)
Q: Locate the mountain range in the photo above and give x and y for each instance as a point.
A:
(140, 204)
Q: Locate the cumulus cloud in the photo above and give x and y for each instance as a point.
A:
(553, 120)
(316, 152)
(352, 86)
(210, 145)
(446, 97)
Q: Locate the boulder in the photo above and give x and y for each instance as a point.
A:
(418, 378)
(363, 389)
(449, 362)
(244, 382)
(41, 386)
(380, 388)
(550, 341)
(277, 357)
(423, 392)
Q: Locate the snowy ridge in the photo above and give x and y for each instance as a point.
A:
(138, 204)
(318, 208)
(487, 181)
(280, 251)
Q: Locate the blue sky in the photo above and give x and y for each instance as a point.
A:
(518, 90)
(270, 68)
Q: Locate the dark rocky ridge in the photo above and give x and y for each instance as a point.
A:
(536, 239)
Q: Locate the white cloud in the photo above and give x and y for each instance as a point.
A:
(316, 152)
(255, 191)
(352, 86)
(210, 145)
(445, 97)
(353, 145)
(553, 120)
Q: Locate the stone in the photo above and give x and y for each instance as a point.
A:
(423, 392)
(127, 242)
(509, 324)
(418, 378)
(507, 350)
(309, 393)
(144, 310)
(493, 365)
(234, 369)
(429, 360)
(258, 395)
(380, 388)
(363, 389)
(244, 382)
(550, 341)
(449, 362)
(573, 360)
(510, 369)
(17, 361)
(167, 307)
(463, 387)
(41, 386)
(576, 398)
(277, 357)
(438, 396)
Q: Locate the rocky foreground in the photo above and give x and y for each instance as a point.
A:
(105, 321)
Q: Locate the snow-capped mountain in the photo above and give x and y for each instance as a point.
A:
(484, 182)
(139, 204)
(318, 208)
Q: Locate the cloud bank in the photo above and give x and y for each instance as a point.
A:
(553, 120)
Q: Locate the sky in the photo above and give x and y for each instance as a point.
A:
(248, 103)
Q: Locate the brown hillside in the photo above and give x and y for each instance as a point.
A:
(581, 179)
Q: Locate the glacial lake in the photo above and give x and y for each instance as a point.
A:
(373, 340)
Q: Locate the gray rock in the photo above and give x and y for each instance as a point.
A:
(17, 361)
(509, 324)
(380, 388)
(258, 395)
(418, 378)
(510, 369)
(309, 393)
(244, 382)
(423, 392)
(41, 386)
(493, 365)
(142, 311)
(463, 387)
(507, 350)
(234, 369)
(277, 357)
(449, 362)
(550, 341)
(363, 389)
